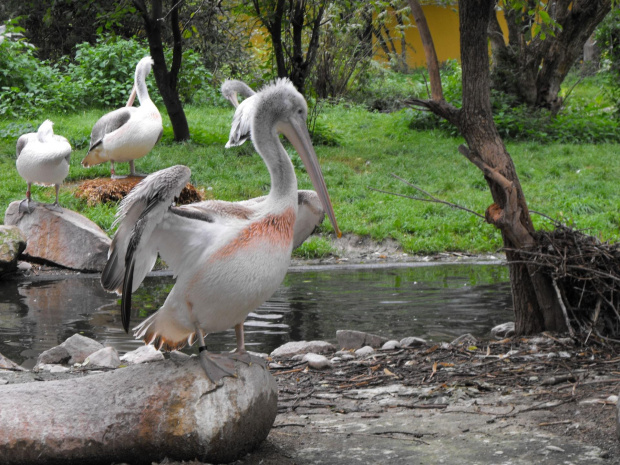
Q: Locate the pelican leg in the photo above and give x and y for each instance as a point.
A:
(24, 205)
(216, 366)
(56, 205)
(240, 353)
(132, 170)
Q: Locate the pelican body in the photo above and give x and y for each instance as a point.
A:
(228, 258)
(310, 213)
(128, 133)
(42, 158)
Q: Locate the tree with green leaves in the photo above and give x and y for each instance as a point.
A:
(536, 305)
(544, 40)
(294, 27)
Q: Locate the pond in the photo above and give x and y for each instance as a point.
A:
(438, 303)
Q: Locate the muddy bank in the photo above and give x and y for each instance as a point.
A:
(543, 400)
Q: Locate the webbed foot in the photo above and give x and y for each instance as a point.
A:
(54, 207)
(217, 366)
(25, 206)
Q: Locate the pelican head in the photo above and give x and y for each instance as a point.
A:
(231, 88)
(284, 109)
(45, 131)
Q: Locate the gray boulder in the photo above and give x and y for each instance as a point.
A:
(67, 239)
(104, 358)
(348, 339)
(9, 364)
(12, 244)
(55, 355)
(80, 347)
(138, 414)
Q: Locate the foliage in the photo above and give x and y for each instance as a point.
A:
(55, 27)
(100, 76)
(584, 119)
(27, 84)
(345, 48)
(608, 40)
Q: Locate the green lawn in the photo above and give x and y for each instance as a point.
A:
(574, 183)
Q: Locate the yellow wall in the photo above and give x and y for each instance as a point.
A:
(444, 26)
(443, 23)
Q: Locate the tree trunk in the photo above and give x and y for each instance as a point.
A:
(533, 69)
(166, 81)
(535, 305)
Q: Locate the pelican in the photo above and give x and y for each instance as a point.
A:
(42, 158)
(310, 213)
(128, 133)
(240, 130)
(228, 258)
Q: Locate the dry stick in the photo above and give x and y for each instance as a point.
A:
(596, 381)
(432, 199)
(563, 307)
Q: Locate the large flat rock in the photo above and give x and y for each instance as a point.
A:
(67, 239)
(138, 414)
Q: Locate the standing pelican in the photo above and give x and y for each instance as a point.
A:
(128, 133)
(310, 213)
(43, 158)
(228, 258)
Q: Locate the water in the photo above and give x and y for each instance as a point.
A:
(433, 302)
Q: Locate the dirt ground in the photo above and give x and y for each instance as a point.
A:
(517, 401)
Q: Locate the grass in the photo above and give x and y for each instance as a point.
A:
(577, 184)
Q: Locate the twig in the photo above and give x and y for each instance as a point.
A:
(432, 198)
(563, 307)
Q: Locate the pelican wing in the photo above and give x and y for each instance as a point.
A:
(22, 142)
(108, 123)
(132, 252)
(241, 125)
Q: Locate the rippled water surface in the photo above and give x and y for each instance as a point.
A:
(436, 302)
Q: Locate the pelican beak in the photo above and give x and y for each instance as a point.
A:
(233, 99)
(132, 96)
(297, 133)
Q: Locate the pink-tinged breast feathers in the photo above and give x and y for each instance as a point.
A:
(274, 230)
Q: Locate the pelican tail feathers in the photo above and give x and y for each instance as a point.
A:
(177, 336)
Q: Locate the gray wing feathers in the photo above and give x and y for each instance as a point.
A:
(108, 123)
(21, 143)
(138, 216)
(240, 129)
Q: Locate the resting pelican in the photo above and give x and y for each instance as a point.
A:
(128, 133)
(310, 213)
(43, 158)
(228, 258)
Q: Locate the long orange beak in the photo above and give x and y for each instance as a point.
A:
(296, 132)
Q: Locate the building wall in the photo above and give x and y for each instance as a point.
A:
(443, 23)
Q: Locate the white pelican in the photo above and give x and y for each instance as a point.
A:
(43, 158)
(310, 213)
(128, 133)
(228, 258)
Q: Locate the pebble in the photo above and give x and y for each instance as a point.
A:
(143, 354)
(316, 361)
(364, 351)
(391, 345)
(412, 342)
